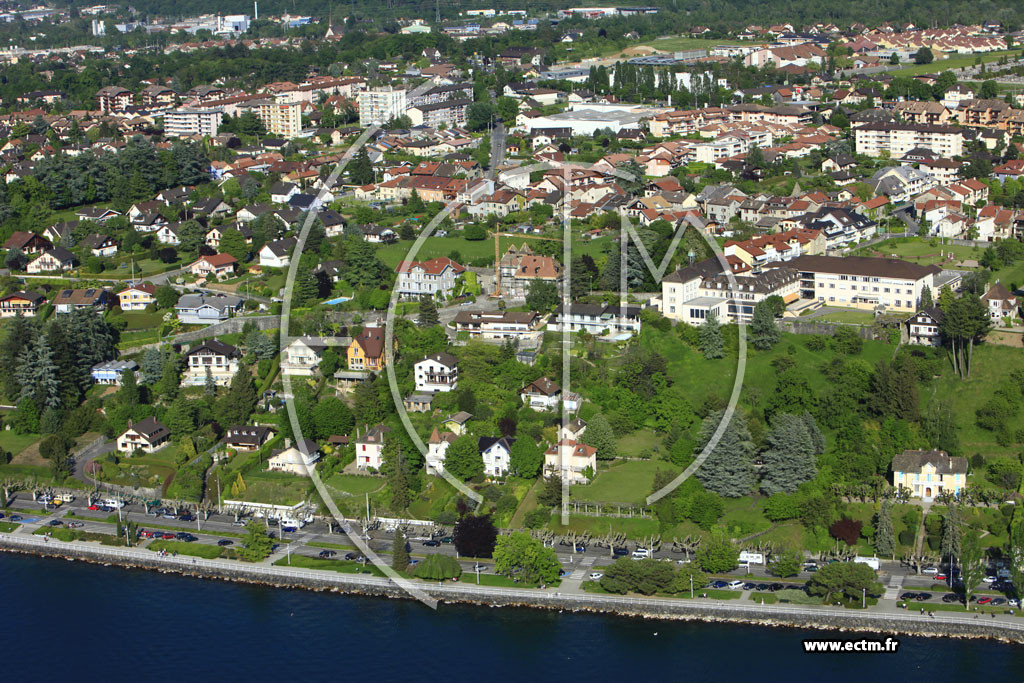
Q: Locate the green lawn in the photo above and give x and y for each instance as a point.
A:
(8, 527)
(680, 43)
(434, 247)
(182, 548)
(143, 320)
(956, 62)
(275, 487)
(16, 443)
(919, 250)
(633, 527)
(342, 566)
(493, 580)
(355, 484)
(627, 482)
(640, 441)
(852, 315)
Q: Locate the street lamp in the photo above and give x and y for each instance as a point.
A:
(691, 586)
(864, 598)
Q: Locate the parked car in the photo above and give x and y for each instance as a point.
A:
(734, 585)
(106, 508)
(776, 587)
(908, 596)
(170, 515)
(930, 570)
(941, 577)
(181, 535)
(749, 586)
(950, 597)
(596, 576)
(94, 506)
(924, 596)
(479, 567)
(56, 522)
(76, 525)
(447, 539)
(581, 548)
(1013, 602)
(239, 522)
(641, 554)
(998, 601)
(327, 554)
(761, 587)
(351, 556)
(167, 536)
(145, 533)
(224, 541)
(187, 517)
(620, 552)
(984, 601)
(431, 543)
(289, 529)
(719, 584)
(16, 518)
(989, 579)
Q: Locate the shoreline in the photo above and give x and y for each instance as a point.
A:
(647, 608)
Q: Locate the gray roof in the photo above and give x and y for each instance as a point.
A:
(913, 461)
(218, 301)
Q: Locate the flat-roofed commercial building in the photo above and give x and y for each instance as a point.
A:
(181, 123)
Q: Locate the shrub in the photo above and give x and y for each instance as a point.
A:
(536, 519)
(906, 537)
(846, 529)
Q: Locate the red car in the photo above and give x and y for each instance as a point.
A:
(94, 506)
(167, 536)
(145, 533)
(984, 601)
(940, 577)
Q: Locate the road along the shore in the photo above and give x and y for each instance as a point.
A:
(941, 624)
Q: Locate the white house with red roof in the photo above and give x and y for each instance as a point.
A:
(218, 265)
(436, 276)
(573, 461)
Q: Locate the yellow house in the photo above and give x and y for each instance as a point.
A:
(366, 352)
(929, 473)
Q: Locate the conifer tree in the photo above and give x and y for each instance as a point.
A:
(885, 535)
(428, 316)
(729, 468)
(711, 337)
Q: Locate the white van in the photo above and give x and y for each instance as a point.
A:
(111, 502)
(641, 554)
(734, 585)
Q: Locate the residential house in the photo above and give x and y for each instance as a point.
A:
(27, 242)
(573, 462)
(277, 254)
(294, 459)
(418, 402)
(217, 265)
(436, 372)
(148, 435)
(499, 325)
(923, 327)
(52, 260)
(436, 276)
(211, 358)
(437, 449)
(541, 394)
(206, 309)
(370, 448)
(693, 293)
(137, 297)
(929, 473)
(303, 355)
(457, 422)
(621, 322)
(366, 352)
(112, 371)
(24, 303)
(68, 300)
(247, 437)
(100, 245)
(496, 453)
(1001, 303)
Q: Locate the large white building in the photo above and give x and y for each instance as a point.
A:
(437, 372)
(863, 282)
(184, 122)
(436, 276)
(875, 139)
(691, 294)
(377, 107)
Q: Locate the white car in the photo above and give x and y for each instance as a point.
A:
(734, 585)
(930, 570)
(989, 579)
(641, 554)
(596, 576)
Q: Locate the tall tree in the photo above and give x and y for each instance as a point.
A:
(729, 468)
(790, 458)
(926, 297)
(463, 458)
(36, 373)
(237, 404)
(360, 169)
(765, 332)
(885, 534)
(711, 337)
(951, 542)
(972, 563)
(399, 552)
(600, 435)
(428, 316)
(526, 558)
(526, 458)
(475, 536)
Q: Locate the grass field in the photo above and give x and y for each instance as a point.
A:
(678, 43)
(341, 566)
(854, 316)
(633, 527)
(16, 443)
(628, 482)
(957, 62)
(640, 441)
(354, 484)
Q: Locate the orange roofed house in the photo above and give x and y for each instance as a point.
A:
(366, 352)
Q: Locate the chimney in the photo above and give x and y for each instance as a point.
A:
(287, 442)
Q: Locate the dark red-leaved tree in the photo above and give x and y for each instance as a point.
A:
(475, 536)
(846, 529)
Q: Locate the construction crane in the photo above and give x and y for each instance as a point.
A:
(497, 254)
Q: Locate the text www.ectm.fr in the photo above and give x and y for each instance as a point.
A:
(863, 645)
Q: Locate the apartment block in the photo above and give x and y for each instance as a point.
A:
(183, 122)
(283, 119)
(377, 107)
(897, 139)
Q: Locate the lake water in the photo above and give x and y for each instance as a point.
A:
(76, 621)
